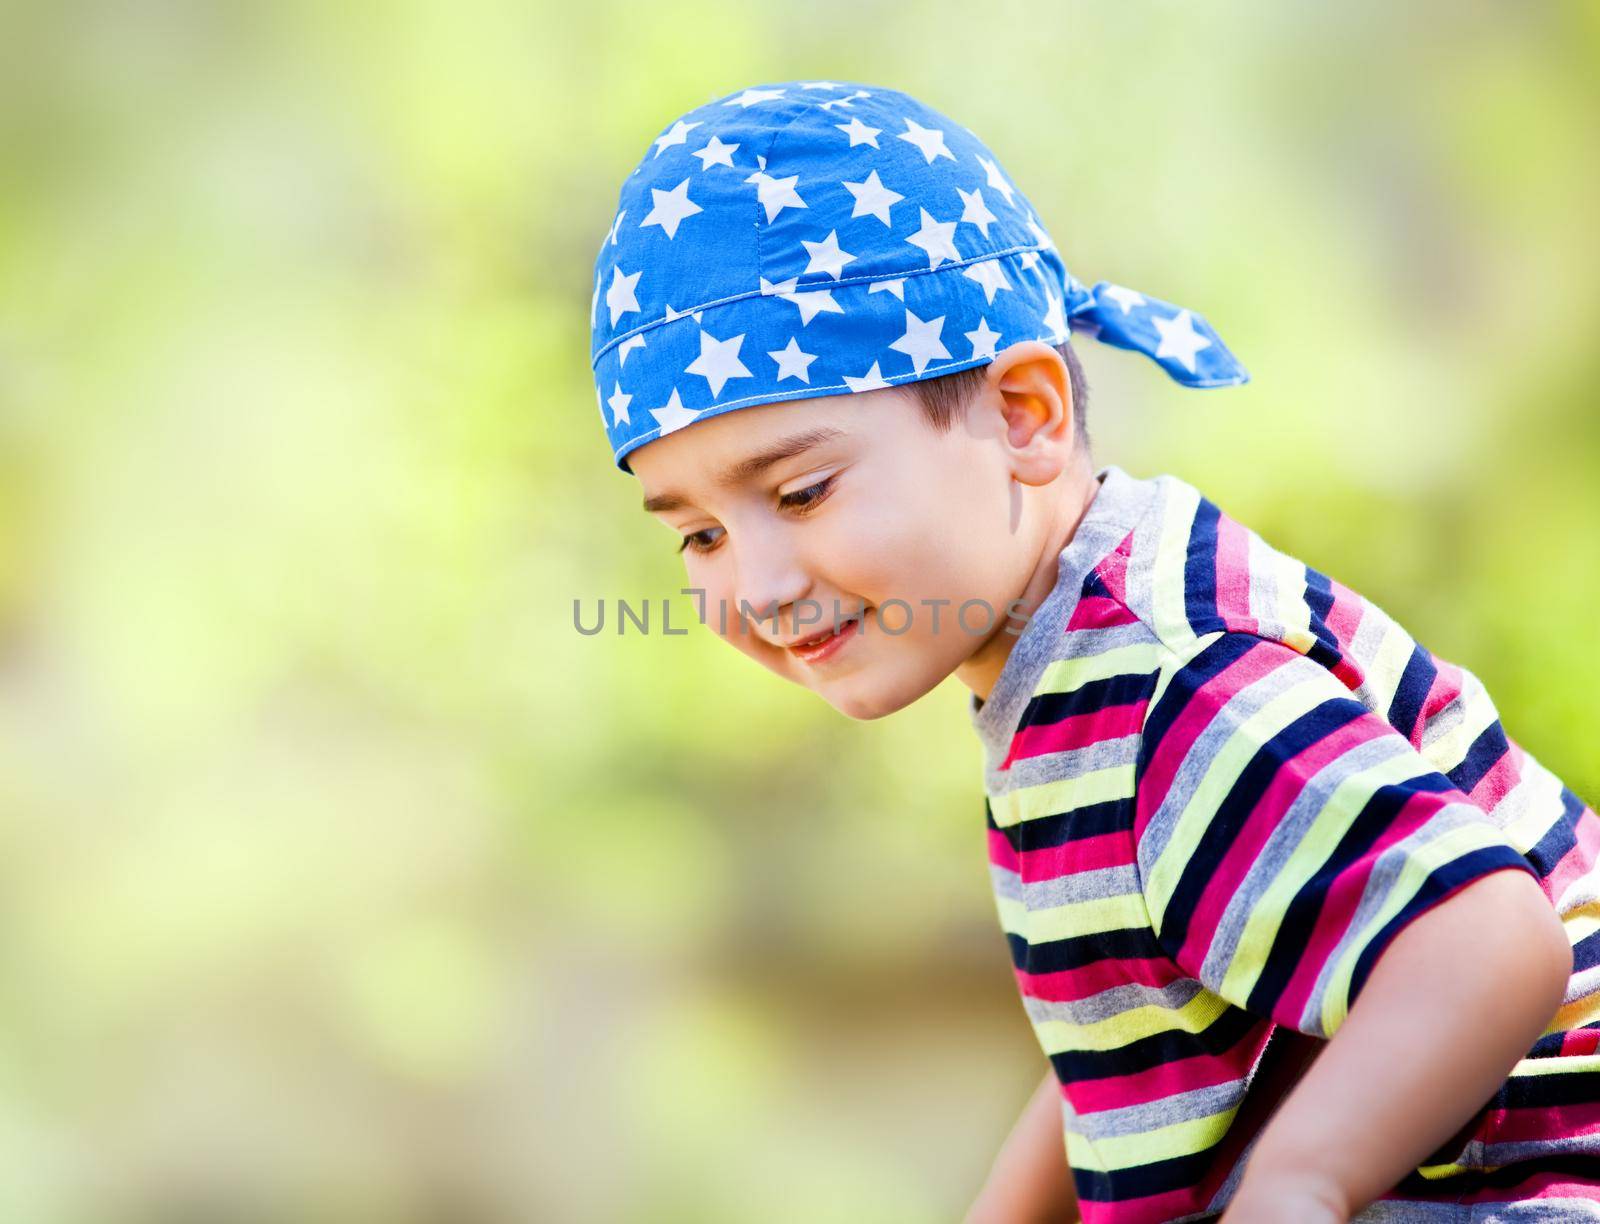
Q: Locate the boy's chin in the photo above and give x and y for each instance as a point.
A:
(865, 697)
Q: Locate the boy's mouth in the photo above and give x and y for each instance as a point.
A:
(824, 642)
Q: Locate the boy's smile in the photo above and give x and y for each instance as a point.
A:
(808, 513)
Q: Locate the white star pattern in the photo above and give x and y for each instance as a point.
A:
(1179, 338)
(626, 347)
(937, 238)
(844, 101)
(751, 96)
(676, 136)
(620, 297)
(859, 132)
(929, 140)
(872, 198)
(975, 211)
(921, 342)
(670, 208)
(715, 153)
(870, 381)
(674, 415)
(619, 406)
(1127, 299)
(983, 340)
(776, 194)
(792, 363)
(826, 257)
(770, 137)
(810, 303)
(1054, 319)
(991, 276)
(995, 178)
(718, 361)
(813, 303)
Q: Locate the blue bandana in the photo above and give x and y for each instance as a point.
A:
(818, 238)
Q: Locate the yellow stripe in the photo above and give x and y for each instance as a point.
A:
(1114, 1032)
(1112, 1152)
(1070, 674)
(1167, 579)
(1049, 798)
(1093, 916)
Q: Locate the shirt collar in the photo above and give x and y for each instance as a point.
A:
(1115, 510)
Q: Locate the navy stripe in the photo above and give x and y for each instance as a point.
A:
(1319, 596)
(1075, 951)
(1485, 752)
(1200, 571)
(1231, 1026)
(1443, 880)
(1075, 824)
(1047, 709)
(1416, 682)
(1559, 838)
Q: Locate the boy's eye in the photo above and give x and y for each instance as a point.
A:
(804, 499)
(695, 541)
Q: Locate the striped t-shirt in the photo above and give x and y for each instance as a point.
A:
(1218, 783)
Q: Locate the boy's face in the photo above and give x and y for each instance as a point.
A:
(866, 504)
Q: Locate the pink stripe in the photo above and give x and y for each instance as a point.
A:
(1344, 617)
(1233, 576)
(1113, 849)
(1077, 731)
(1001, 852)
(1152, 1209)
(1499, 778)
(1268, 813)
(1544, 1122)
(1069, 985)
(1098, 612)
(1445, 689)
(1196, 715)
(1538, 1186)
(1170, 1078)
(1580, 1041)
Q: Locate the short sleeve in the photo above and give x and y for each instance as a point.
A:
(1285, 833)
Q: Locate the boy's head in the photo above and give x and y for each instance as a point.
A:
(839, 265)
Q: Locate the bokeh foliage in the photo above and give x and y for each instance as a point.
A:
(340, 879)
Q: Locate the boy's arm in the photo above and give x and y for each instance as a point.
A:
(1029, 1182)
(1457, 998)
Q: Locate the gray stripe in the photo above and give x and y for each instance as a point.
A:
(1150, 1115)
(1070, 763)
(1094, 885)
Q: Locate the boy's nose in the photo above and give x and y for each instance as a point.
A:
(765, 591)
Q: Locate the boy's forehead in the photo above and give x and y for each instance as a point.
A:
(735, 447)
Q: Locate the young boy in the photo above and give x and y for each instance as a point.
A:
(1225, 795)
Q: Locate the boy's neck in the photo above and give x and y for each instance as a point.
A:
(1078, 491)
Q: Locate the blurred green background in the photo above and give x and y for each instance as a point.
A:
(342, 880)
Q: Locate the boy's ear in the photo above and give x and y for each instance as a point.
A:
(1030, 385)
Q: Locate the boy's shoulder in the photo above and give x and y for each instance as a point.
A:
(1159, 580)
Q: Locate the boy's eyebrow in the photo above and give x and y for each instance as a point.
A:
(753, 465)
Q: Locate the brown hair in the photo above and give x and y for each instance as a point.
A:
(943, 398)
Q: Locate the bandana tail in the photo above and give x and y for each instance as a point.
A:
(1181, 342)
